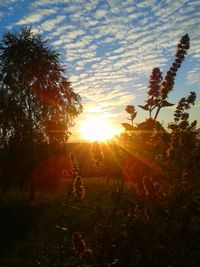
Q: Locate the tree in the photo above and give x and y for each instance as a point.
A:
(37, 103)
(37, 100)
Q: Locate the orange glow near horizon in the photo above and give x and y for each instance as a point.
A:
(97, 129)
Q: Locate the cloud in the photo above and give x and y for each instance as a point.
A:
(2, 15)
(50, 24)
(193, 76)
(74, 34)
(39, 3)
(100, 13)
(36, 16)
(110, 47)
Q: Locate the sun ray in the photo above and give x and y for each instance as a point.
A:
(97, 129)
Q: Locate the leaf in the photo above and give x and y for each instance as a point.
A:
(165, 103)
(133, 115)
(193, 124)
(145, 107)
(127, 126)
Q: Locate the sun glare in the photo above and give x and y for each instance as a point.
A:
(97, 129)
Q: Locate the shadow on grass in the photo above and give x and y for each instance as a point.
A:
(16, 221)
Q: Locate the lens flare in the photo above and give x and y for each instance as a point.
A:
(97, 129)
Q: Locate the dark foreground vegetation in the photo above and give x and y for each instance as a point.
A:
(139, 205)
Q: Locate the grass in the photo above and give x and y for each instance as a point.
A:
(40, 233)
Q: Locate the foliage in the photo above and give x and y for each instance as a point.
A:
(80, 247)
(158, 224)
(130, 109)
(77, 184)
(97, 155)
(148, 201)
(74, 168)
(78, 187)
(160, 87)
(183, 147)
(162, 227)
(37, 102)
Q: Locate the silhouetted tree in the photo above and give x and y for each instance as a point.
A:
(37, 102)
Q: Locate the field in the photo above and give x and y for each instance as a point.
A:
(130, 199)
(114, 226)
(40, 233)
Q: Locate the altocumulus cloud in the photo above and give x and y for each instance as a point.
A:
(110, 47)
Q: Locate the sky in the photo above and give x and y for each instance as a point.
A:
(109, 48)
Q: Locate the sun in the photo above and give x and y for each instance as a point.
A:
(97, 129)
